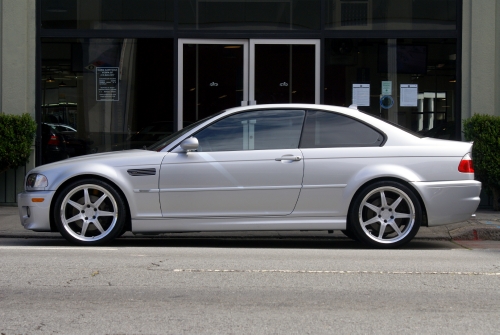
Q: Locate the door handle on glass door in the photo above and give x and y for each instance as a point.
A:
(288, 158)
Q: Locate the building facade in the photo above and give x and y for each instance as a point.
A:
(106, 75)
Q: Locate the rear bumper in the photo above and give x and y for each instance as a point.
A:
(35, 215)
(449, 201)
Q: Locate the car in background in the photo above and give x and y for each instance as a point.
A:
(53, 145)
(74, 146)
(262, 167)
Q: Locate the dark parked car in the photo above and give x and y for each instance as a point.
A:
(53, 145)
(74, 146)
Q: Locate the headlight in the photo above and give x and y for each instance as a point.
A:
(36, 181)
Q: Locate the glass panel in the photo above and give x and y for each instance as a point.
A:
(105, 94)
(213, 79)
(107, 14)
(284, 73)
(391, 14)
(261, 130)
(253, 15)
(410, 82)
(327, 130)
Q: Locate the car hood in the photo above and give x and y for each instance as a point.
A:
(117, 158)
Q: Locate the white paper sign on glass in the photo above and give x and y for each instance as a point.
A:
(386, 87)
(107, 87)
(408, 95)
(361, 94)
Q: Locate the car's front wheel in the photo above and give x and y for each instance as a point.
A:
(385, 214)
(89, 212)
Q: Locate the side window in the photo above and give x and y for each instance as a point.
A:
(258, 130)
(326, 130)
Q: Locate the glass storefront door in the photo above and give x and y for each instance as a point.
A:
(218, 74)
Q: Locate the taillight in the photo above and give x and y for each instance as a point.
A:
(54, 140)
(466, 165)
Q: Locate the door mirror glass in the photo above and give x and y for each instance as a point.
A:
(189, 144)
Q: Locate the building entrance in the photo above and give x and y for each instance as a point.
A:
(218, 74)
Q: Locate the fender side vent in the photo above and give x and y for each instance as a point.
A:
(142, 172)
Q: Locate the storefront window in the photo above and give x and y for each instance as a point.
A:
(391, 14)
(408, 81)
(252, 15)
(103, 95)
(107, 14)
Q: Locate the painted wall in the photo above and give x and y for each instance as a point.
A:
(17, 76)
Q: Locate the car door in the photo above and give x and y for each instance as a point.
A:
(247, 164)
(335, 148)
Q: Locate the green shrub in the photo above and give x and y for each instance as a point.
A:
(484, 130)
(16, 137)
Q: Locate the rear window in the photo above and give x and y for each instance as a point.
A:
(328, 130)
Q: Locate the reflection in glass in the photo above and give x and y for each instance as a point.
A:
(386, 64)
(137, 108)
(107, 14)
(212, 79)
(284, 73)
(391, 14)
(261, 130)
(250, 15)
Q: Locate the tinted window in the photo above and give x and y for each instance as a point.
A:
(324, 130)
(260, 130)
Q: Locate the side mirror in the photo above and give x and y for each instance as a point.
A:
(189, 144)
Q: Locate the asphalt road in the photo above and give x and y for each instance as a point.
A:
(243, 286)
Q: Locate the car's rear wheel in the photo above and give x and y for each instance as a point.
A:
(89, 212)
(385, 214)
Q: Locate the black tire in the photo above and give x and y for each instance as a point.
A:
(89, 212)
(385, 214)
(349, 233)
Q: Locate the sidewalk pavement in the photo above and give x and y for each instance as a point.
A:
(484, 226)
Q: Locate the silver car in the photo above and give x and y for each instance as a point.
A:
(264, 167)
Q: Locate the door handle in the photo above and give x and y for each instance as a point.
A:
(288, 158)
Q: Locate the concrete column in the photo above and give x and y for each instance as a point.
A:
(480, 58)
(17, 77)
(18, 44)
(497, 59)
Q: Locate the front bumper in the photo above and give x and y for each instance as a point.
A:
(449, 201)
(34, 213)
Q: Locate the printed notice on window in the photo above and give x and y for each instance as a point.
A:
(107, 88)
(361, 94)
(409, 95)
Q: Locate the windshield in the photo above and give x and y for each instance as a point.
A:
(158, 146)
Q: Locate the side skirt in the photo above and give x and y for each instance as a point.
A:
(162, 225)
